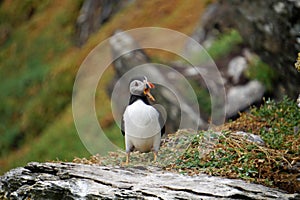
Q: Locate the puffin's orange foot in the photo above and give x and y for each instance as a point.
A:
(155, 156)
(127, 160)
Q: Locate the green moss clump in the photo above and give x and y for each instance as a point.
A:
(225, 44)
(262, 72)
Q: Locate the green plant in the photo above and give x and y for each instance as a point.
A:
(262, 72)
(282, 118)
(225, 44)
(220, 47)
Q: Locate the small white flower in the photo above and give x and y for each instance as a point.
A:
(298, 101)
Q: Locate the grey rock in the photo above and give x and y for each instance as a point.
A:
(81, 181)
(241, 97)
(236, 67)
(279, 7)
(251, 137)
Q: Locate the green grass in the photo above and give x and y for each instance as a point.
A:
(113, 133)
(27, 58)
(222, 46)
(59, 141)
(225, 44)
(63, 140)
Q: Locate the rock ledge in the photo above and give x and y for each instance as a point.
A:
(81, 181)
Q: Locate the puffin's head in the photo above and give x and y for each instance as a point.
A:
(142, 88)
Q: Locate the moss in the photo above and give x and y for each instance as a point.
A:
(225, 44)
(262, 72)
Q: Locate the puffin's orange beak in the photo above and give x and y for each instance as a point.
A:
(149, 86)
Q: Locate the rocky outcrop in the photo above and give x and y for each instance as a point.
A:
(242, 97)
(81, 181)
(93, 14)
(269, 28)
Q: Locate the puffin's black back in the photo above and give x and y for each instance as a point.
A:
(134, 98)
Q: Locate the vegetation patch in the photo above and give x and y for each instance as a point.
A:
(262, 72)
(225, 44)
(220, 47)
(275, 164)
(28, 55)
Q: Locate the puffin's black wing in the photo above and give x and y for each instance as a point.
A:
(161, 119)
(122, 126)
(161, 123)
(163, 130)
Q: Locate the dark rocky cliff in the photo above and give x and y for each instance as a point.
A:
(269, 28)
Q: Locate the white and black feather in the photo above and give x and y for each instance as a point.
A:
(142, 125)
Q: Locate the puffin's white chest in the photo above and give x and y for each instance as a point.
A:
(141, 120)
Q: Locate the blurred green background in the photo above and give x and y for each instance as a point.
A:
(39, 59)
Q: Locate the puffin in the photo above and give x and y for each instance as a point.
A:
(142, 124)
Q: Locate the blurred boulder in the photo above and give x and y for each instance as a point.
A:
(243, 96)
(236, 68)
